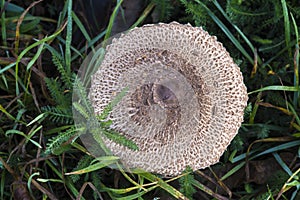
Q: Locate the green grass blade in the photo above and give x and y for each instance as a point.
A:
(33, 131)
(99, 165)
(44, 180)
(30, 26)
(205, 189)
(68, 37)
(71, 47)
(24, 135)
(3, 25)
(138, 194)
(296, 63)
(54, 168)
(91, 67)
(3, 110)
(295, 113)
(14, 8)
(255, 108)
(270, 150)
(282, 164)
(39, 118)
(29, 182)
(124, 191)
(19, 116)
(62, 15)
(121, 191)
(227, 32)
(237, 29)
(7, 68)
(111, 21)
(36, 56)
(81, 27)
(143, 16)
(287, 31)
(165, 186)
(233, 170)
(276, 88)
(2, 182)
(46, 39)
(105, 158)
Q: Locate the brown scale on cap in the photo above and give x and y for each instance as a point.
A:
(185, 100)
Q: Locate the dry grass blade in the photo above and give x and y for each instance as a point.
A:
(20, 20)
(83, 188)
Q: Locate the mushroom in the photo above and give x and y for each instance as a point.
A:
(185, 98)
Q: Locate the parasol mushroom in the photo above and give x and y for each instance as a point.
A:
(185, 99)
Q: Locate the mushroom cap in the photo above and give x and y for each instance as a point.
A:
(185, 99)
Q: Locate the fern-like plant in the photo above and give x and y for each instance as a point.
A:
(164, 9)
(97, 125)
(61, 91)
(186, 183)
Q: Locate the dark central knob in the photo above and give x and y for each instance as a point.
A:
(163, 96)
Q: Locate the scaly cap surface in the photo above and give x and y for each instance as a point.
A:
(185, 101)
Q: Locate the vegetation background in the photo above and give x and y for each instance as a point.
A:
(43, 44)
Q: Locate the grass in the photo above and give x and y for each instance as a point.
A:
(42, 157)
